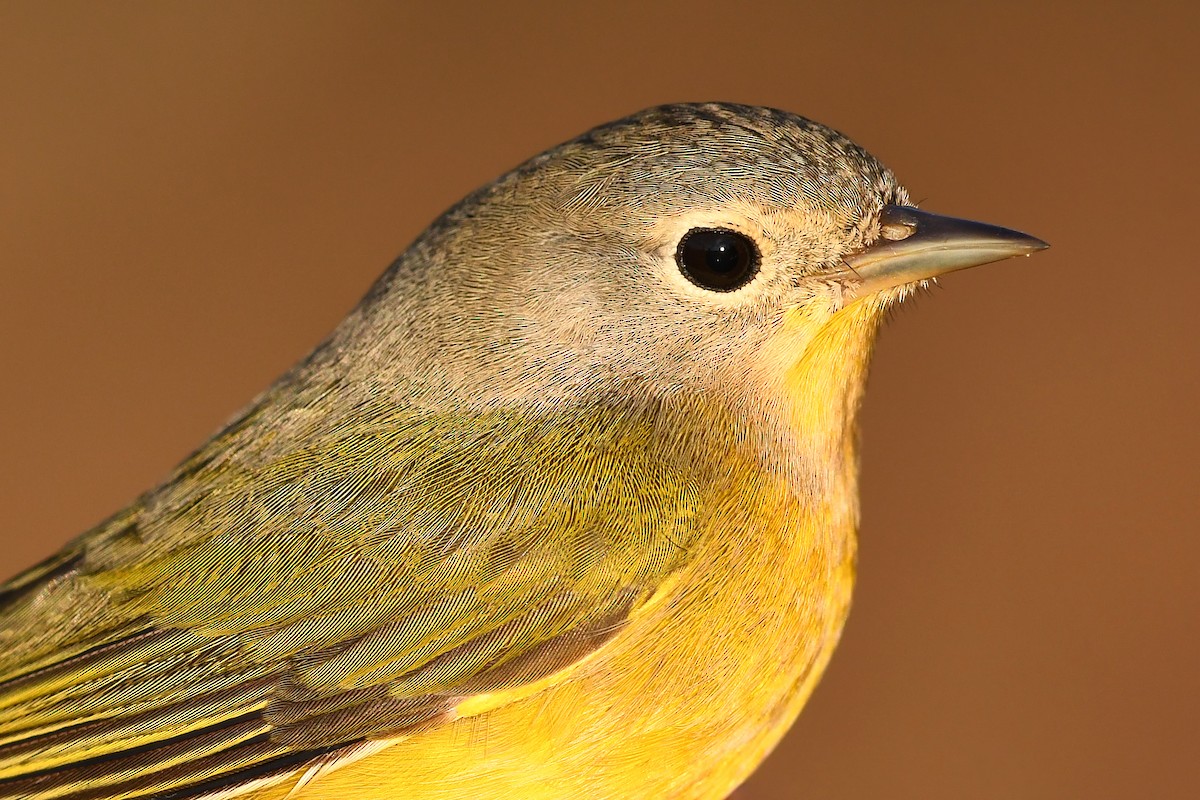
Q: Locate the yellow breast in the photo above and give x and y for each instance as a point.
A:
(683, 703)
(694, 692)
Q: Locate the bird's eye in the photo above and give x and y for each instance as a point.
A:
(717, 259)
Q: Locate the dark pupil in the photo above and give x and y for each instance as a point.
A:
(716, 259)
(724, 255)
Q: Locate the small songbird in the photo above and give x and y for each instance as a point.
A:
(565, 508)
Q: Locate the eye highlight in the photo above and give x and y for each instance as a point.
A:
(717, 259)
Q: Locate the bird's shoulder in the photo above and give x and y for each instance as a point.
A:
(303, 585)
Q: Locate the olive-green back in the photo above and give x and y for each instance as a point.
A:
(306, 582)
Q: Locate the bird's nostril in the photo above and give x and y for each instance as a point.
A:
(897, 223)
(897, 231)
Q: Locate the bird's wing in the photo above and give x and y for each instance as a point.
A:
(274, 604)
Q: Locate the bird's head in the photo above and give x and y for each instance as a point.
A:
(704, 249)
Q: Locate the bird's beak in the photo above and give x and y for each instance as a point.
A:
(915, 245)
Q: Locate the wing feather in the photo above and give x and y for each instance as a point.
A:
(287, 597)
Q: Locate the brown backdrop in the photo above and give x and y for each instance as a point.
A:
(192, 196)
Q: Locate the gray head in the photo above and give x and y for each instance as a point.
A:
(566, 276)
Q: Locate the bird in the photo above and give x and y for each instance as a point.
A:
(566, 507)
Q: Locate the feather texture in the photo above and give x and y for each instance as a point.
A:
(217, 657)
(543, 518)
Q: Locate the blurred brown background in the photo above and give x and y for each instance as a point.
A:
(191, 196)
